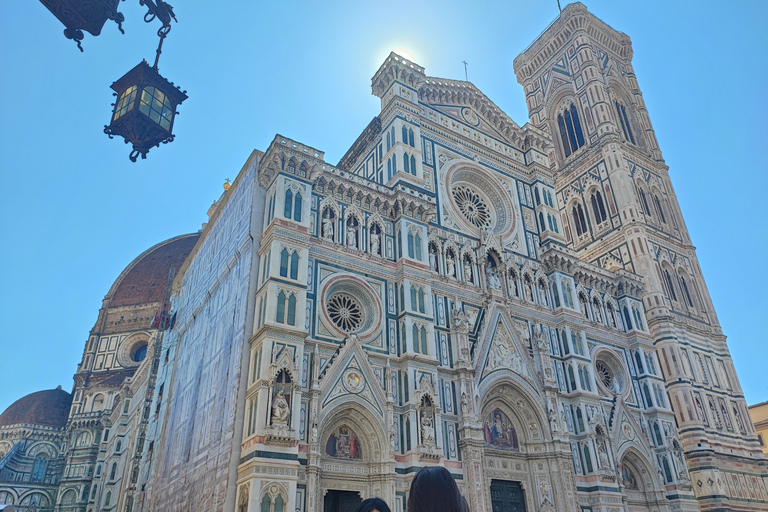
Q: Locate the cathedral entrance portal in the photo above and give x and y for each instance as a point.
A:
(341, 501)
(507, 496)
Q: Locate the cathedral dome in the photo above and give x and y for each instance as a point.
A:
(49, 408)
(146, 278)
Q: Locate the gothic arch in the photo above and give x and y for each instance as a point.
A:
(520, 402)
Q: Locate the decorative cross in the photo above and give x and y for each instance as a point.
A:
(465, 65)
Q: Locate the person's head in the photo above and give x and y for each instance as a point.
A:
(373, 505)
(434, 490)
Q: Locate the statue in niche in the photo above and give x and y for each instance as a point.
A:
(327, 227)
(375, 243)
(451, 266)
(493, 279)
(679, 456)
(602, 456)
(553, 421)
(596, 311)
(352, 236)
(280, 409)
(461, 321)
(432, 260)
(427, 430)
(468, 272)
(528, 293)
(499, 432)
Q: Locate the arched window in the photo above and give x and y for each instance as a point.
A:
(659, 208)
(580, 419)
(405, 135)
(657, 434)
(108, 498)
(389, 169)
(413, 165)
(671, 287)
(288, 208)
(572, 378)
(587, 458)
(93, 492)
(417, 246)
(644, 202)
(621, 111)
(564, 342)
(667, 472)
(578, 219)
(648, 400)
(639, 362)
(570, 130)
(543, 226)
(118, 446)
(424, 340)
(266, 503)
(638, 318)
(687, 294)
(598, 208)
(39, 468)
(284, 263)
(406, 163)
(294, 265)
(536, 195)
(415, 336)
(410, 138)
(627, 319)
(394, 164)
(421, 300)
(279, 503)
(297, 207)
(413, 298)
(113, 471)
(555, 294)
(292, 310)
(411, 249)
(280, 315)
(389, 142)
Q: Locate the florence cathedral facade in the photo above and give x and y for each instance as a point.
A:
(522, 305)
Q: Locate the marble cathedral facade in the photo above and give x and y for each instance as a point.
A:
(522, 305)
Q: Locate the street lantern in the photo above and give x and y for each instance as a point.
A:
(90, 16)
(145, 109)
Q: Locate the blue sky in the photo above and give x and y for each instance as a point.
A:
(77, 211)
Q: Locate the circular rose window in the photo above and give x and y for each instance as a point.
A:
(350, 306)
(482, 201)
(610, 372)
(472, 206)
(345, 312)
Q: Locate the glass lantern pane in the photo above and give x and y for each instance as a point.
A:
(156, 105)
(125, 102)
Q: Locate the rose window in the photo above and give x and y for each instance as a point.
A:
(472, 206)
(604, 373)
(345, 312)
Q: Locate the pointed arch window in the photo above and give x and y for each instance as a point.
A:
(405, 135)
(587, 459)
(113, 471)
(415, 336)
(292, 309)
(627, 319)
(571, 134)
(108, 498)
(647, 393)
(598, 207)
(572, 378)
(39, 469)
(297, 207)
(413, 298)
(284, 262)
(657, 434)
(424, 340)
(671, 287)
(389, 142)
(288, 207)
(280, 314)
(621, 111)
(580, 419)
(406, 163)
(410, 138)
(536, 195)
(644, 203)
(639, 362)
(659, 208)
(389, 169)
(421, 300)
(579, 219)
(294, 265)
(417, 243)
(685, 291)
(413, 165)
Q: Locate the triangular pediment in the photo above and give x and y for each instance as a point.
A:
(350, 375)
(503, 351)
(444, 94)
(626, 431)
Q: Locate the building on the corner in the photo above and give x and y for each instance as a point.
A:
(520, 304)
(759, 416)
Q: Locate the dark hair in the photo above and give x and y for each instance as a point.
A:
(372, 504)
(434, 490)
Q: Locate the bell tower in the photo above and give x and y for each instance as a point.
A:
(620, 211)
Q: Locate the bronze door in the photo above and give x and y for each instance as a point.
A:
(341, 501)
(507, 496)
